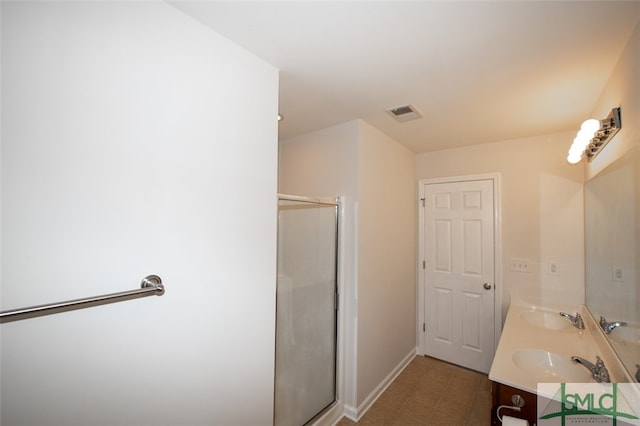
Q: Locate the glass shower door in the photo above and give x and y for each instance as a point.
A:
(306, 311)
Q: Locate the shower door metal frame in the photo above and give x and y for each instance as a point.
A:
(311, 200)
(335, 202)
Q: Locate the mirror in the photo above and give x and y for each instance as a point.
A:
(612, 248)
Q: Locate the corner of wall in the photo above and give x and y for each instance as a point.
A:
(623, 90)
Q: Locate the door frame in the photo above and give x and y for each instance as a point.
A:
(497, 258)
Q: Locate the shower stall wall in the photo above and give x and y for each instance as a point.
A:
(306, 309)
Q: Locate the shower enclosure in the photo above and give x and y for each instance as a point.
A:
(306, 309)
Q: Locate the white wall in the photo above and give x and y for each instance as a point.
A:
(123, 155)
(541, 212)
(377, 177)
(386, 257)
(623, 90)
(322, 164)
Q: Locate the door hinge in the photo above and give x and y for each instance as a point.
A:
(424, 327)
(422, 199)
(424, 264)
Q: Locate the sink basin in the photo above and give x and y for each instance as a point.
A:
(546, 320)
(550, 367)
(626, 335)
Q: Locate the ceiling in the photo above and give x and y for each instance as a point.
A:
(478, 71)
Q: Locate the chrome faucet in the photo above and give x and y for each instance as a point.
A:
(608, 327)
(575, 320)
(598, 371)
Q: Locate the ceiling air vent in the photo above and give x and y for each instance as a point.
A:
(404, 113)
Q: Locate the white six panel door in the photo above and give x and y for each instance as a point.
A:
(459, 273)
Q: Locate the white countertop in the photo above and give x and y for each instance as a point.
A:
(536, 332)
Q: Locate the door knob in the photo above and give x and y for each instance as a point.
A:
(487, 286)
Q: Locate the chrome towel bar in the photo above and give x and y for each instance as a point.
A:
(150, 285)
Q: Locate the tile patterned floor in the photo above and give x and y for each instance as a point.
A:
(431, 392)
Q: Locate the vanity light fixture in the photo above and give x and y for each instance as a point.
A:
(593, 136)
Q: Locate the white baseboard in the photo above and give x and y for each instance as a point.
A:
(332, 416)
(351, 413)
(356, 414)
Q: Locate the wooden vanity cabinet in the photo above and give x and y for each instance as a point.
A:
(502, 395)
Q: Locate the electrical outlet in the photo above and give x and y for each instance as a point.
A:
(554, 268)
(618, 273)
(519, 265)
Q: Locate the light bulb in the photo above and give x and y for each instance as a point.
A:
(574, 158)
(585, 134)
(576, 150)
(580, 143)
(590, 126)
